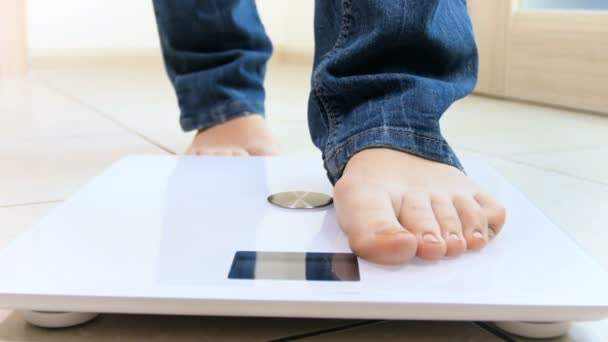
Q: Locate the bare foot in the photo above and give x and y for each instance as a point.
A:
(394, 206)
(243, 136)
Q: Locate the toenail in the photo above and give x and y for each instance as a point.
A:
(491, 233)
(478, 235)
(454, 236)
(430, 237)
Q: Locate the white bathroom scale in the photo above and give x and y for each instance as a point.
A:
(197, 236)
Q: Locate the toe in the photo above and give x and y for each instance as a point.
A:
(495, 212)
(219, 152)
(239, 152)
(449, 222)
(367, 216)
(263, 150)
(222, 152)
(416, 214)
(473, 219)
(200, 151)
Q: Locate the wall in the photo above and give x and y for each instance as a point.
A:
(566, 4)
(73, 26)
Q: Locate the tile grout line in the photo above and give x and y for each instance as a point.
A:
(482, 154)
(326, 331)
(5, 206)
(488, 327)
(490, 156)
(550, 170)
(565, 150)
(103, 115)
(537, 105)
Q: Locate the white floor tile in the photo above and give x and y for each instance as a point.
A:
(51, 169)
(588, 163)
(29, 109)
(578, 207)
(503, 128)
(14, 220)
(142, 98)
(138, 96)
(287, 91)
(294, 137)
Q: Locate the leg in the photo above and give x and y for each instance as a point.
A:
(215, 54)
(385, 72)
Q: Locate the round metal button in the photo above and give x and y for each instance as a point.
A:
(300, 200)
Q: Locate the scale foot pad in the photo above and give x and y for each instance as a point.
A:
(55, 319)
(535, 329)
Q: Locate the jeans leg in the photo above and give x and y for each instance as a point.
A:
(384, 73)
(215, 54)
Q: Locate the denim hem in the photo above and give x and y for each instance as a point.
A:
(218, 114)
(429, 147)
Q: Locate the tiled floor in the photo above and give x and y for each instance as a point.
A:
(71, 119)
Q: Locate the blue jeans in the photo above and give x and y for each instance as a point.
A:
(384, 70)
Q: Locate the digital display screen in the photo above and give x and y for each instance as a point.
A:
(294, 266)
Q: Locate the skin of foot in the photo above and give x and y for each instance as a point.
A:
(247, 135)
(394, 206)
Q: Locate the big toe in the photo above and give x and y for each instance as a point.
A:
(368, 218)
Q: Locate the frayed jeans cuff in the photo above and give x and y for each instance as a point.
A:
(429, 147)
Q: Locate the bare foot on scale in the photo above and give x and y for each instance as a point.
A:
(394, 206)
(243, 136)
